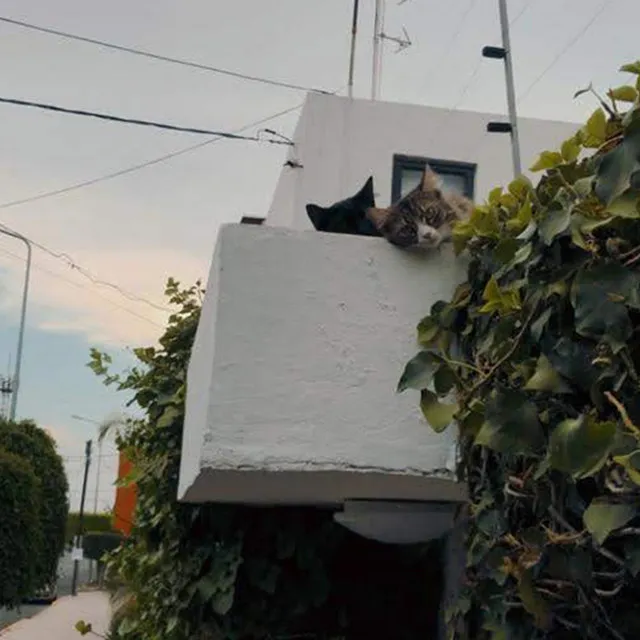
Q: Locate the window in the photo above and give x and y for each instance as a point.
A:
(408, 170)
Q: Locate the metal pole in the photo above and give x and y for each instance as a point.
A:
(95, 500)
(354, 31)
(511, 92)
(376, 49)
(76, 561)
(23, 316)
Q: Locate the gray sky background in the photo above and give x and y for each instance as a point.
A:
(138, 229)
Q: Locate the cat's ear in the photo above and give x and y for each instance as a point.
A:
(317, 215)
(366, 193)
(431, 181)
(377, 216)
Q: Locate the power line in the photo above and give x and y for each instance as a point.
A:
(156, 56)
(565, 49)
(87, 274)
(447, 47)
(138, 167)
(81, 286)
(527, 5)
(144, 123)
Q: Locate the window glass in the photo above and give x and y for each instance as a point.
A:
(410, 179)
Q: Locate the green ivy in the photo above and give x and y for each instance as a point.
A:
(536, 359)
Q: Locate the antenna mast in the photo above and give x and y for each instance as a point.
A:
(354, 32)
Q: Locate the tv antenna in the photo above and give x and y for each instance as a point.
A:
(379, 36)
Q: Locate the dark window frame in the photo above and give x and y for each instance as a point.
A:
(466, 170)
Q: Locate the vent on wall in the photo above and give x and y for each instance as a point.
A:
(251, 220)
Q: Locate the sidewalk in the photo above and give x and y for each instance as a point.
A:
(58, 621)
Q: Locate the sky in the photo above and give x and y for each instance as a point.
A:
(136, 230)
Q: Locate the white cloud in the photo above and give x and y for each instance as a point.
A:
(63, 301)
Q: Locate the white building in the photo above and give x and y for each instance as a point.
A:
(291, 387)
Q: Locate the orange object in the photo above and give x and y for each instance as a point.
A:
(125, 498)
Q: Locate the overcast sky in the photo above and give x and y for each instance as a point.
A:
(140, 228)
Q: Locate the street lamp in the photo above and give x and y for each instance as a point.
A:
(23, 317)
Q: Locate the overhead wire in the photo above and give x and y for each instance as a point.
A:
(140, 166)
(569, 45)
(138, 122)
(160, 57)
(79, 285)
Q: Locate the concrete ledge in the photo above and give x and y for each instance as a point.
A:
(291, 385)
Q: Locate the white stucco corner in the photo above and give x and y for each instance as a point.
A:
(291, 387)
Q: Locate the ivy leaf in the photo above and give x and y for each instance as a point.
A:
(503, 302)
(624, 93)
(438, 415)
(598, 296)
(494, 195)
(418, 372)
(580, 447)
(555, 223)
(512, 424)
(625, 206)
(582, 227)
(631, 464)
(546, 378)
(547, 160)
(597, 125)
(632, 67)
(570, 150)
(524, 216)
(617, 166)
(427, 331)
(603, 517)
(520, 187)
(533, 601)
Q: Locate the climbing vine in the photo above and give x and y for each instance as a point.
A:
(536, 359)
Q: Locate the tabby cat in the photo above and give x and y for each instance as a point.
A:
(424, 217)
(347, 216)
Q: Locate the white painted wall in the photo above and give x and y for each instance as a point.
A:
(341, 142)
(291, 387)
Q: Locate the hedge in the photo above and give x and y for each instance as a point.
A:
(27, 440)
(94, 522)
(20, 535)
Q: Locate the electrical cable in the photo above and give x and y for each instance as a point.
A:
(156, 56)
(565, 49)
(86, 273)
(52, 274)
(138, 167)
(144, 123)
(447, 47)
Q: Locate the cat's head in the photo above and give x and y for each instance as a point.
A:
(422, 218)
(347, 216)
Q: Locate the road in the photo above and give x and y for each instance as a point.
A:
(65, 576)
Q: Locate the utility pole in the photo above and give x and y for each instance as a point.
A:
(99, 465)
(504, 53)
(377, 43)
(76, 560)
(15, 386)
(354, 32)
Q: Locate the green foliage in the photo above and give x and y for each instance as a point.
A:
(39, 450)
(226, 572)
(541, 350)
(90, 522)
(20, 538)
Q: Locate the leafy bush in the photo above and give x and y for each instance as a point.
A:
(20, 538)
(93, 522)
(38, 448)
(199, 572)
(537, 356)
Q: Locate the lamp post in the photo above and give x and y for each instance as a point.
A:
(23, 317)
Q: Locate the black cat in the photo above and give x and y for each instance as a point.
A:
(347, 216)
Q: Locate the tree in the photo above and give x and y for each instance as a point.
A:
(33, 444)
(540, 349)
(20, 536)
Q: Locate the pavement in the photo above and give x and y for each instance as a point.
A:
(57, 621)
